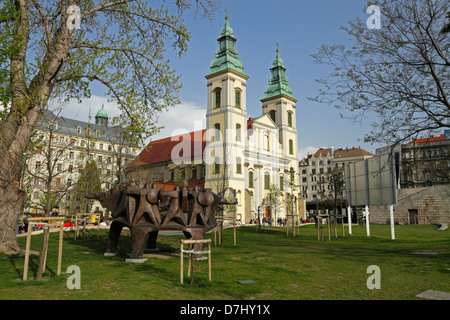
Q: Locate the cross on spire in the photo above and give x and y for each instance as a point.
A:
(278, 45)
(226, 14)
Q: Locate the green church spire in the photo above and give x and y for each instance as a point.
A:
(227, 55)
(278, 83)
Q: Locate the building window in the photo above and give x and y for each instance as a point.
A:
(281, 183)
(272, 115)
(194, 174)
(250, 179)
(267, 180)
(289, 118)
(267, 143)
(217, 132)
(238, 165)
(238, 98)
(217, 165)
(217, 92)
(291, 147)
(238, 132)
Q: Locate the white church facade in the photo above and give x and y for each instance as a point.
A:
(249, 154)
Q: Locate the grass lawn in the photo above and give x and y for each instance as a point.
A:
(283, 268)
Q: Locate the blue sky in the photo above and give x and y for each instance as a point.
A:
(300, 28)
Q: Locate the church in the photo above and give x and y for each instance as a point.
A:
(248, 154)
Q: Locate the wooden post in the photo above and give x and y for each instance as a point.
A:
(191, 260)
(98, 229)
(335, 224)
(61, 233)
(209, 261)
(234, 227)
(43, 255)
(191, 244)
(76, 227)
(27, 252)
(329, 225)
(84, 228)
(181, 263)
(221, 233)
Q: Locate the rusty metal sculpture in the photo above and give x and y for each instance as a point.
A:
(148, 210)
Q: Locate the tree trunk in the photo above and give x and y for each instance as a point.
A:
(12, 199)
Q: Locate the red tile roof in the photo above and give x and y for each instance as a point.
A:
(170, 185)
(323, 152)
(160, 151)
(353, 152)
(430, 139)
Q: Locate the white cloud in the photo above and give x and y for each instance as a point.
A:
(304, 151)
(186, 116)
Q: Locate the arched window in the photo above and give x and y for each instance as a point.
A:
(217, 92)
(291, 146)
(272, 115)
(292, 174)
(238, 132)
(237, 95)
(281, 183)
(289, 118)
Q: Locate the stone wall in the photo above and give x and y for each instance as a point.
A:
(427, 205)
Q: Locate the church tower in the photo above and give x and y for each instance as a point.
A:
(280, 105)
(226, 117)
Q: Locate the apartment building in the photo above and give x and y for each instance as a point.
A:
(60, 150)
(318, 172)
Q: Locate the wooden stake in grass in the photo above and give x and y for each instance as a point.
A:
(43, 255)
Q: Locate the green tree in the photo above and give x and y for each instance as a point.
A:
(336, 181)
(274, 195)
(399, 73)
(88, 184)
(120, 45)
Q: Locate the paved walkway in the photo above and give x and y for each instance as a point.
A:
(434, 295)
